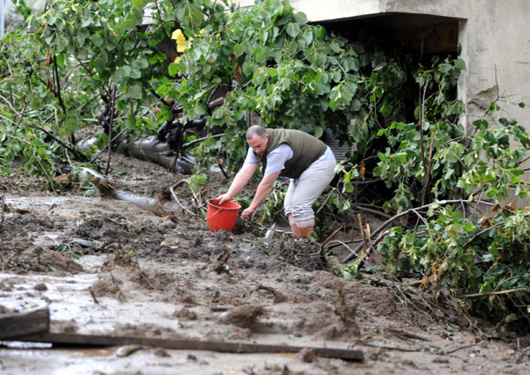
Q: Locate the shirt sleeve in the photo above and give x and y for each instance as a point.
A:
(277, 158)
(251, 157)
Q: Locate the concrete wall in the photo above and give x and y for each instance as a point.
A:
(494, 36)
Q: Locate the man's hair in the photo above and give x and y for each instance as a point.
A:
(258, 130)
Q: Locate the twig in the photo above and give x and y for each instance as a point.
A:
(428, 172)
(2, 209)
(459, 348)
(495, 293)
(363, 235)
(373, 212)
(93, 295)
(481, 233)
(191, 143)
(278, 297)
(327, 198)
(221, 165)
(107, 145)
(324, 243)
(54, 138)
(391, 347)
(175, 195)
(346, 246)
(405, 334)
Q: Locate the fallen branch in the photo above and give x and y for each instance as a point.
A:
(396, 217)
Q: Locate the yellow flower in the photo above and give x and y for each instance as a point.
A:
(175, 34)
(176, 59)
(181, 40)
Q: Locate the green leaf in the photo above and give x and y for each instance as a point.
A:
(300, 18)
(173, 69)
(124, 71)
(135, 74)
(134, 91)
(319, 130)
(238, 50)
(97, 40)
(101, 62)
(261, 57)
(460, 64)
(292, 29)
(321, 31)
(138, 4)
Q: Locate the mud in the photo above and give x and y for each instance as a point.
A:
(107, 267)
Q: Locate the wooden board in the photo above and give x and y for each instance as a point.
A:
(14, 325)
(225, 347)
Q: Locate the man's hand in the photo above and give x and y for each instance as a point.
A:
(223, 198)
(248, 213)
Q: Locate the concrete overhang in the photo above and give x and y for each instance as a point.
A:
(336, 10)
(427, 26)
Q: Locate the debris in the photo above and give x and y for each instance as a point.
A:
(15, 325)
(278, 297)
(307, 356)
(221, 261)
(409, 335)
(127, 350)
(185, 313)
(243, 316)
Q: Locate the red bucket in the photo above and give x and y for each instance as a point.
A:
(222, 217)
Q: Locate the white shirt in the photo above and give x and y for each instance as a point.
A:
(279, 156)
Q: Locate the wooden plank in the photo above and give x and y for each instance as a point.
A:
(20, 324)
(224, 347)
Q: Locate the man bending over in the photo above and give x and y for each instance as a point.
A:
(306, 160)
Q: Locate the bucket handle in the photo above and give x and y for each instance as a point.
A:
(216, 212)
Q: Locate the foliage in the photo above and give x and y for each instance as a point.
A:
(289, 72)
(71, 60)
(465, 256)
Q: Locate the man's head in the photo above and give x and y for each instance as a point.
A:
(257, 138)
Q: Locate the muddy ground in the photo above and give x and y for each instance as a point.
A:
(107, 267)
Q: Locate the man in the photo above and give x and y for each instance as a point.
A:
(292, 153)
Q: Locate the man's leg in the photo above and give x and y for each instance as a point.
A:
(305, 227)
(294, 227)
(306, 191)
(288, 208)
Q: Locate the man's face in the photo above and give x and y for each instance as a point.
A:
(258, 144)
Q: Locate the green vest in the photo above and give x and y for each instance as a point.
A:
(306, 149)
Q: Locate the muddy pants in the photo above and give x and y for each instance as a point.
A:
(305, 190)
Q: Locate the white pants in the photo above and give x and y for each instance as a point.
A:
(305, 190)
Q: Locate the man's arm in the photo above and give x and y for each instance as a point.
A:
(242, 178)
(264, 188)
